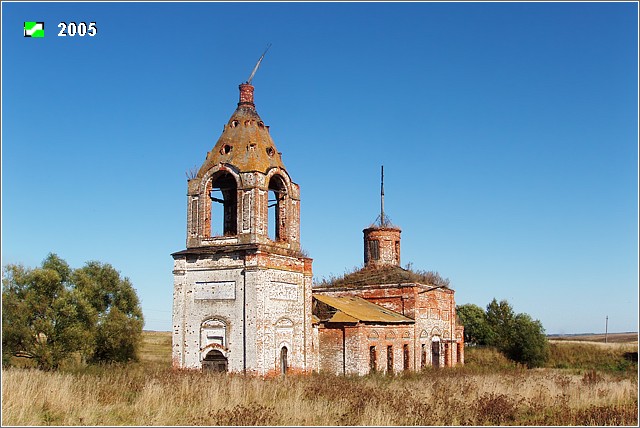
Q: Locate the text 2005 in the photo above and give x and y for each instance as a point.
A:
(77, 29)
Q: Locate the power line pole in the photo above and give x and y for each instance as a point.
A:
(606, 328)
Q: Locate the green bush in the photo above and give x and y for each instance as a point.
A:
(518, 337)
(52, 312)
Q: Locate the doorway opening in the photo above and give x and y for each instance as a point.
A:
(215, 361)
(283, 360)
(435, 352)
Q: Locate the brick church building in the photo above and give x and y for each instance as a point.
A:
(243, 297)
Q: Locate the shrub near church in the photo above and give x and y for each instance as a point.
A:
(518, 337)
(53, 312)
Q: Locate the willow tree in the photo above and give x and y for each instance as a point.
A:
(52, 312)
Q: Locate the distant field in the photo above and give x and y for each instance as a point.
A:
(610, 338)
(156, 348)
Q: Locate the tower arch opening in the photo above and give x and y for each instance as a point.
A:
(223, 195)
(277, 208)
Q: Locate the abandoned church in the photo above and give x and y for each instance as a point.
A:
(244, 298)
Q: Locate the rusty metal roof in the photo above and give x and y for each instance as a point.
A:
(354, 309)
(245, 143)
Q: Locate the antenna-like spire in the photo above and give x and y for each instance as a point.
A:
(383, 220)
(258, 64)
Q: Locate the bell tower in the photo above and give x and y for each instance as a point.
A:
(242, 287)
(229, 198)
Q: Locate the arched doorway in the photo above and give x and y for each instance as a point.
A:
(215, 361)
(435, 352)
(284, 364)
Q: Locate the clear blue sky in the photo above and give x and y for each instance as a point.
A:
(508, 133)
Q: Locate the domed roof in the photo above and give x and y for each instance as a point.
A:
(245, 142)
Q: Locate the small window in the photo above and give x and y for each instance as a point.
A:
(219, 340)
(389, 359)
(270, 151)
(372, 359)
(374, 250)
(225, 150)
(405, 356)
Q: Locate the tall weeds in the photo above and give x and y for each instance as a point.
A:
(487, 391)
(134, 396)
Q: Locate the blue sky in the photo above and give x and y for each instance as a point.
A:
(508, 134)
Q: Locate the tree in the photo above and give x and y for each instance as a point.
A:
(51, 312)
(500, 319)
(42, 317)
(120, 320)
(519, 337)
(529, 344)
(476, 327)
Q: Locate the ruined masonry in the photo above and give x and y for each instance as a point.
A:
(243, 298)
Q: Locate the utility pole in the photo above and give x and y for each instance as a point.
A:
(606, 328)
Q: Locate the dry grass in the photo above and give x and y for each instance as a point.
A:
(390, 274)
(156, 348)
(609, 357)
(150, 393)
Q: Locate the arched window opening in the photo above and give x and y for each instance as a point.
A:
(435, 352)
(372, 359)
(215, 361)
(224, 202)
(283, 360)
(213, 332)
(374, 250)
(405, 357)
(447, 355)
(277, 208)
(390, 359)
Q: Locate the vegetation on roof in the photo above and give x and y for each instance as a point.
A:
(372, 275)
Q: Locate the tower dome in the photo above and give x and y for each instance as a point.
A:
(245, 142)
